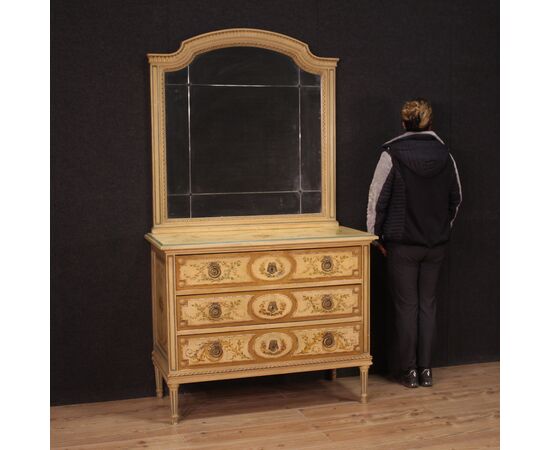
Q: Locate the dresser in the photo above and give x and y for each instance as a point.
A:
(256, 304)
(251, 273)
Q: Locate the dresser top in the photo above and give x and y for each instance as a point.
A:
(242, 238)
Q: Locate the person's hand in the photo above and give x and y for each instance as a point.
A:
(380, 248)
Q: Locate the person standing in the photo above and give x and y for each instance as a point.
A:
(413, 201)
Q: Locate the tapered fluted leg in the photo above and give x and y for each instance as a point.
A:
(364, 380)
(158, 382)
(174, 402)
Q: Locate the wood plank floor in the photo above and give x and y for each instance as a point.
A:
(460, 411)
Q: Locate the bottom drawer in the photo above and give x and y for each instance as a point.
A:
(258, 346)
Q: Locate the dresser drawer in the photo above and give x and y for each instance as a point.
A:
(203, 311)
(241, 269)
(269, 345)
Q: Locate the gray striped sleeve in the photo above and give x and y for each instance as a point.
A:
(380, 175)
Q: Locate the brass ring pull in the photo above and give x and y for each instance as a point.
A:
(214, 270)
(328, 339)
(326, 264)
(327, 303)
(215, 350)
(215, 310)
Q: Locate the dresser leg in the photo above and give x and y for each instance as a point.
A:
(174, 401)
(158, 381)
(332, 375)
(364, 380)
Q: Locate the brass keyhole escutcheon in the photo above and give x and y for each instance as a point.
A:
(215, 310)
(326, 264)
(272, 268)
(216, 350)
(327, 302)
(214, 270)
(328, 339)
(272, 307)
(273, 346)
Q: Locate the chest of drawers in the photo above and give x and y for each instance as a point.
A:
(249, 304)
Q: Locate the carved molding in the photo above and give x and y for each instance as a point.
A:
(367, 358)
(242, 37)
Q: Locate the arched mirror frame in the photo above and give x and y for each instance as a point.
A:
(242, 37)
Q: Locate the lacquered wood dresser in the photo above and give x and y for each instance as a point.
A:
(251, 273)
(259, 304)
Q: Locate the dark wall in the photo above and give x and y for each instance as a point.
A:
(389, 51)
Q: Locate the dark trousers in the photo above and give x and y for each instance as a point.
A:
(413, 272)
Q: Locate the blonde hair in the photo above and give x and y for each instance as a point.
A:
(417, 114)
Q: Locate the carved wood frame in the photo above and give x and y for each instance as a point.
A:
(243, 37)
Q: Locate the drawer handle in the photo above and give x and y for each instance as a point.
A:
(215, 310)
(215, 350)
(326, 264)
(328, 339)
(214, 270)
(327, 303)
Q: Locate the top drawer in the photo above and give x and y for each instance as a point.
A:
(283, 266)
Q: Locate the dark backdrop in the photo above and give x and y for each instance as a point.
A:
(389, 51)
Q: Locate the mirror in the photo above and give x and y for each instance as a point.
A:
(243, 135)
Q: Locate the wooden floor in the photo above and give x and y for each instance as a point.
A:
(460, 411)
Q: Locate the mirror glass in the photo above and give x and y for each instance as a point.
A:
(243, 136)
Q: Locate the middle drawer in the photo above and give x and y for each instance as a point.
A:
(286, 305)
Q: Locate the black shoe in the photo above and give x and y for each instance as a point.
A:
(409, 378)
(426, 377)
